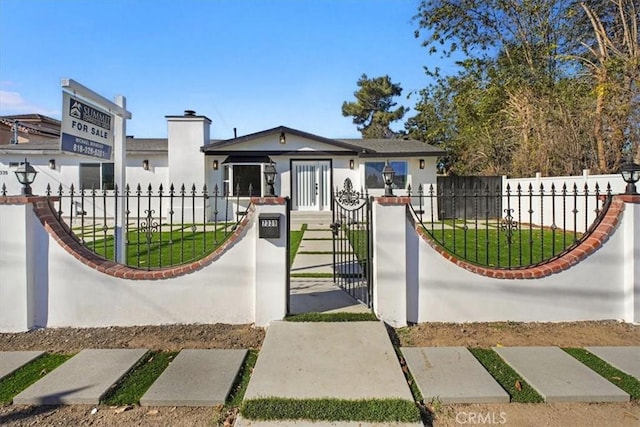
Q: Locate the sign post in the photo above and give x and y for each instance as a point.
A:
(93, 131)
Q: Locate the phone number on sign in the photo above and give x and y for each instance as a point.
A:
(91, 151)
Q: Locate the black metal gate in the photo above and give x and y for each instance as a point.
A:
(352, 243)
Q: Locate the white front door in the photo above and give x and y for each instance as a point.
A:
(311, 185)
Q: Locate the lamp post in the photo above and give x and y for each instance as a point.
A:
(631, 174)
(387, 175)
(270, 177)
(26, 174)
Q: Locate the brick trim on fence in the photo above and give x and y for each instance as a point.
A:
(61, 234)
(591, 244)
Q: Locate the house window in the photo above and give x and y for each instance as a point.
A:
(97, 176)
(373, 174)
(245, 176)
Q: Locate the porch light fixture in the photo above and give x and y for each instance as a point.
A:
(215, 165)
(352, 164)
(421, 163)
(52, 163)
(26, 174)
(387, 175)
(270, 177)
(145, 164)
(283, 138)
(631, 174)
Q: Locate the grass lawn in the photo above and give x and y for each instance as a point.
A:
(163, 249)
(492, 247)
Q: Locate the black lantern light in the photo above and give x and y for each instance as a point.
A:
(387, 175)
(26, 174)
(631, 174)
(270, 177)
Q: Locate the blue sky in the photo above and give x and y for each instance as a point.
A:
(252, 65)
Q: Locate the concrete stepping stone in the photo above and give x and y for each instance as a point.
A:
(11, 361)
(348, 360)
(312, 263)
(81, 380)
(315, 246)
(559, 377)
(318, 234)
(452, 375)
(196, 378)
(322, 296)
(626, 359)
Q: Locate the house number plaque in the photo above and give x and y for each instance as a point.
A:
(269, 226)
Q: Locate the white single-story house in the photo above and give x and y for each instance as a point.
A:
(309, 167)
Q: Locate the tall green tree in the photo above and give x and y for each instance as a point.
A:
(373, 110)
(545, 86)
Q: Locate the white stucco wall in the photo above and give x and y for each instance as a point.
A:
(41, 284)
(605, 285)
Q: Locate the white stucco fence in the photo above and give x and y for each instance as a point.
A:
(43, 285)
(414, 283)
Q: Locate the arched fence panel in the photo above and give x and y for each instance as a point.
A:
(506, 227)
(163, 226)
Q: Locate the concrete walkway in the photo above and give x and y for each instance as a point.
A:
(353, 360)
(315, 257)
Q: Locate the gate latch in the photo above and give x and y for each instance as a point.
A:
(334, 226)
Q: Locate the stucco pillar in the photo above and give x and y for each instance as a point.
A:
(631, 231)
(390, 260)
(270, 262)
(23, 266)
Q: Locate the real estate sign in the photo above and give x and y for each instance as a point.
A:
(86, 130)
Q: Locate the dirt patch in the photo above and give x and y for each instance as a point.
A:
(165, 338)
(568, 334)
(176, 337)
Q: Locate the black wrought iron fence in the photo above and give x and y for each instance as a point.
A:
(162, 227)
(535, 225)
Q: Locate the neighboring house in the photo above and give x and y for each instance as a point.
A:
(28, 128)
(309, 166)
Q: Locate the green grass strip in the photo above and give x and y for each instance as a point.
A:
(242, 380)
(618, 378)
(506, 376)
(313, 275)
(137, 381)
(332, 317)
(295, 237)
(22, 378)
(372, 410)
